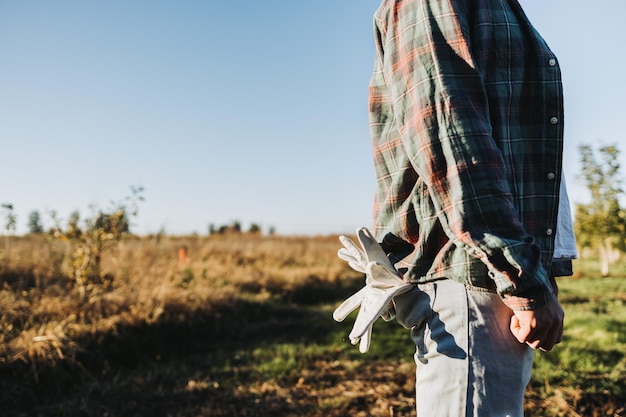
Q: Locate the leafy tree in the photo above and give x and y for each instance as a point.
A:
(115, 223)
(101, 230)
(34, 223)
(601, 223)
(10, 219)
(233, 228)
(73, 228)
(254, 229)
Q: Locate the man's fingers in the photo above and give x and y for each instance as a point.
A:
(520, 330)
(534, 345)
(540, 329)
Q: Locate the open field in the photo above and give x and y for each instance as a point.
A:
(243, 327)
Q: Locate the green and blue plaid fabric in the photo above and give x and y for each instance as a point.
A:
(466, 117)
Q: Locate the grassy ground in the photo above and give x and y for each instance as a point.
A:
(244, 328)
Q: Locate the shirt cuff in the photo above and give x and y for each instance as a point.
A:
(530, 299)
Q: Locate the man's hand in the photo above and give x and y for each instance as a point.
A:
(541, 328)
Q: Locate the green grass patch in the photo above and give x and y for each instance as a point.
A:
(589, 366)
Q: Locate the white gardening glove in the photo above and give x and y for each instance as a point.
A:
(382, 283)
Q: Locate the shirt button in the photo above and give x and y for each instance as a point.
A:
(551, 176)
(552, 62)
(549, 232)
(554, 120)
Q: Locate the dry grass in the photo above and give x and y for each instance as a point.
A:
(152, 307)
(235, 325)
(144, 279)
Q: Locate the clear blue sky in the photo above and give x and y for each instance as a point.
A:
(254, 111)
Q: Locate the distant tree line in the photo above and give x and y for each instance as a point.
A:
(109, 222)
(116, 222)
(235, 228)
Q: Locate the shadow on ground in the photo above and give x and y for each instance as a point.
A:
(237, 358)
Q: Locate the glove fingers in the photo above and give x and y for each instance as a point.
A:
(364, 340)
(345, 254)
(374, 302)
(367, 316)
(372, 248)
(352, 249)
(356, 264)
(364, 346)
(348, 306)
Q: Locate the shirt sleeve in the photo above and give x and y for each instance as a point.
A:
(442, 112)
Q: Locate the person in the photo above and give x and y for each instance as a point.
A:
(466, 120)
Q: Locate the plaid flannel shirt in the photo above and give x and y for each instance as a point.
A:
(466, 117)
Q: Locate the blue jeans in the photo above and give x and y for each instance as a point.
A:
(468, 362)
